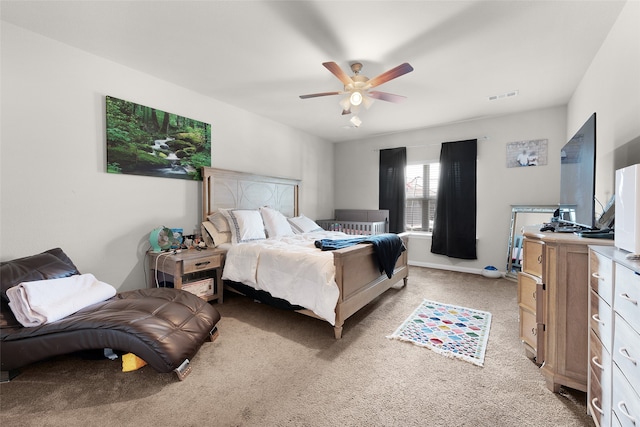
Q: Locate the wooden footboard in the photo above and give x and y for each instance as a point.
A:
(360, 281)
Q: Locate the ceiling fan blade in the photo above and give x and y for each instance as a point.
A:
(398, 71)
(315, 95)
(384, 96)
(338, 72)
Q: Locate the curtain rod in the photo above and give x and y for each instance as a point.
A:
(481, 138)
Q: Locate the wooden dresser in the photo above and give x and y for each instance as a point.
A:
(553, 301)
(614, 338)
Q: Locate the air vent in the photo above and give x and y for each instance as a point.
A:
(504, 95)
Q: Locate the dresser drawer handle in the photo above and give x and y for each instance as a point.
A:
(534, 331)
(203, 263)
(621, 404)
(534, 295)
(593, 403)
(625, 353)
(539, 259)
(596, 317)
(628, 298)
(595, 362)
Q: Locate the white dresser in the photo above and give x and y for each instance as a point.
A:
(614, 338)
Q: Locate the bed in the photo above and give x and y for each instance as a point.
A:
(356, 271)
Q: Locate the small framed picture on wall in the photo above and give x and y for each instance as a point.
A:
(527, 153)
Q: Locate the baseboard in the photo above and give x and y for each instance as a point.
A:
(445, 267)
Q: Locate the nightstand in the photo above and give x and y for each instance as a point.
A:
(199, 272)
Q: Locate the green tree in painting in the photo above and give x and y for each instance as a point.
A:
(145, 141)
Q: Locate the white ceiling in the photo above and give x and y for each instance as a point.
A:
(261, 55)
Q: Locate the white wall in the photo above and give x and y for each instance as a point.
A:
(611, 88)
(498, 187)
(55, 191)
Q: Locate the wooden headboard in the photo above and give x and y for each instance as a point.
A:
(229, 189)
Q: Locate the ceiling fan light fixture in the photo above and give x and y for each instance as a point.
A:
(355, 120)
(367, 101)
(345, 103)
(355, 98)
(357, 87)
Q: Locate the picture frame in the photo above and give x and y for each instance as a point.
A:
(527, 153)
(144, 140)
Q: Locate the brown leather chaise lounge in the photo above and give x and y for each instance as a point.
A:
(163, 326)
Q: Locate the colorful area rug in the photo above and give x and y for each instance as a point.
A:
(452, 331)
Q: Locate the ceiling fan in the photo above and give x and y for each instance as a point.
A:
(358, 87)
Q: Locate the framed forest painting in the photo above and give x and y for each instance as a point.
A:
(143, 140)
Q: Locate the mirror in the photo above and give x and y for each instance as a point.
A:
(522, 216)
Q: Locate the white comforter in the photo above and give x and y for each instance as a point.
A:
(289, 267)
(44, 301)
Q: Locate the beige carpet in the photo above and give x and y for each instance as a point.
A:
(275, 368)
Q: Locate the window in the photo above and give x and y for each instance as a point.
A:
(421, 190)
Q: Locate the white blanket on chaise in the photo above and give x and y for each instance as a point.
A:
(45, 301)
(289, 267)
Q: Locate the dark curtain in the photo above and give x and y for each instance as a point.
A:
(392, 165)
(454, 231)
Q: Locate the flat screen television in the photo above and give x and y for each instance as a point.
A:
(578, 177)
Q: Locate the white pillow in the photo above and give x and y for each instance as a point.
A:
(245, 225)
(302, 224)
(217, 236)
(275, 223)
(221, 223)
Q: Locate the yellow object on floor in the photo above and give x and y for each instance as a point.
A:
(131, 362)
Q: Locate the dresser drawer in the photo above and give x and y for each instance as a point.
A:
(600, 412)
(600, 361)
(200, 264)
(533, 257)
(601, 320)
(529, 328)
(527, 291)
(627, 295)
(626, 350)
(625, 402)
(601, 278)
(599, 380)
